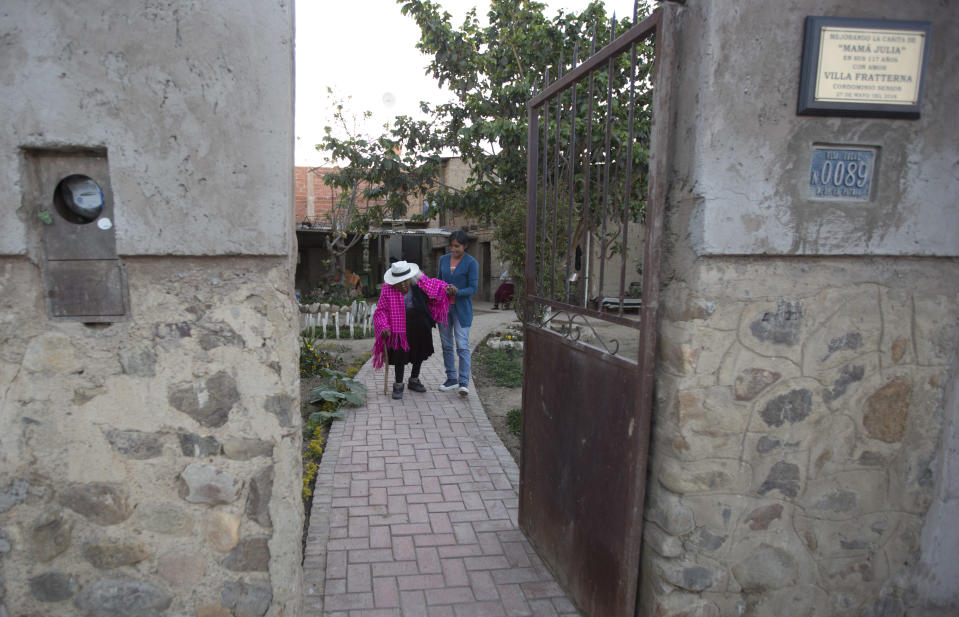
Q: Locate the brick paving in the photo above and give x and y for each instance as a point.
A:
(414, 514)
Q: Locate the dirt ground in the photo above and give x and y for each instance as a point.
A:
(497, 402)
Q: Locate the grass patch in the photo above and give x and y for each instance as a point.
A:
(504, 367)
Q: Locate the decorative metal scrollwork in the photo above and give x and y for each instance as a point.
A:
(570, 326)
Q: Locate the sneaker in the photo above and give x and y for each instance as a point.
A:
(416, 385)
(449, 384)
(464, 391)
(397, 390)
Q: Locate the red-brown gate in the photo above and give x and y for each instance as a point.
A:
(596, 193)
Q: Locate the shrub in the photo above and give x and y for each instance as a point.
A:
(335, 390)
(312, 454)
(332, 293)
(514, 421)
(338, 388)
(312, 359)
(309, 480)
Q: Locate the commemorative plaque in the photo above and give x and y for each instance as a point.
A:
(863, 67)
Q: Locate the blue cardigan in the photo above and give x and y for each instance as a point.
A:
(466, 279)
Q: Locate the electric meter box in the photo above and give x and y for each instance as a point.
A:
(69, 192)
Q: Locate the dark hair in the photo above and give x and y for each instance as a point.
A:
(460, 236)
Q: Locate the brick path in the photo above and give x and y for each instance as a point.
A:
(414, 513)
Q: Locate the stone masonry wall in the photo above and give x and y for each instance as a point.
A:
(800, 461)
(151, 467)
(798, 424)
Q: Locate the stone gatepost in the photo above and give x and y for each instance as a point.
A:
(803, 456)
(149, 426)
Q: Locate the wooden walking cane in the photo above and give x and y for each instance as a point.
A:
(386, 371)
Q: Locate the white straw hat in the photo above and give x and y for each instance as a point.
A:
(400, 271)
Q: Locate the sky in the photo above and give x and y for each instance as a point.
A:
(366, 50)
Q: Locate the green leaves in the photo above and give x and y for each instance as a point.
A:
(324, 417)
(493, 70)
(338, 388)
(376, 177)
(514, 421)
(327, 394)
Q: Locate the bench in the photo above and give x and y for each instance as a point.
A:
(612, 302)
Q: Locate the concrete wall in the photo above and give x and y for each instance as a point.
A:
(614, 262)
(803, 450)
(758, 182)
(150, 466)
(178, 95)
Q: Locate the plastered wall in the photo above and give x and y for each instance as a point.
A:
(187, 98)
(751, 154)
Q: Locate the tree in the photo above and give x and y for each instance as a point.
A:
(493, 71)
(375, 177)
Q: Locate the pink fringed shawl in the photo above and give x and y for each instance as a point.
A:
(390, 316)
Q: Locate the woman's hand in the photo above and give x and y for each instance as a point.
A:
(451, 290)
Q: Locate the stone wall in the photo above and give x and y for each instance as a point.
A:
(150, 463)
(798, 424)
(801, 462)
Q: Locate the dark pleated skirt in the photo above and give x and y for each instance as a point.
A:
(504, 293)
(420, 338)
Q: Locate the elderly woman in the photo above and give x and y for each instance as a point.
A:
(410, 304)
(504, 293)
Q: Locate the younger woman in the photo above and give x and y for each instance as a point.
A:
(410, 303)
(461, 271)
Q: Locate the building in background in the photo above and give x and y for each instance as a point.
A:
(409, 237)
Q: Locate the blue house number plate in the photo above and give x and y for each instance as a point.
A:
(841, 173)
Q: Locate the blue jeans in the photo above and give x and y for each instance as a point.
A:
(461, 335)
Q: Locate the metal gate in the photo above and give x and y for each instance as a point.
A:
(596, 191)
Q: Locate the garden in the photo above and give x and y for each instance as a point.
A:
(498, 377)
(328, 389)
(336, 340)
